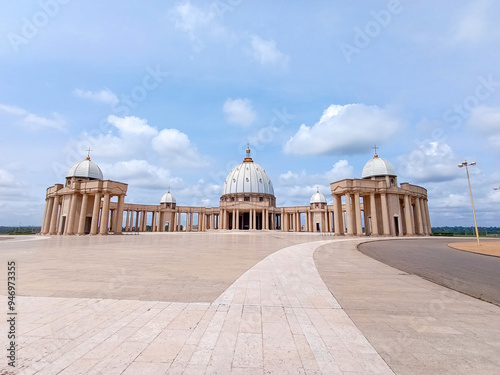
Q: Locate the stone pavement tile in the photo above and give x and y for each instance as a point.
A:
(118, 360)
(179, 364)
(230, 328)
(165, 347)
(136, 368)
(220, 361)
(247, 371)
(305, 353)
(251, 321)
(248, 350)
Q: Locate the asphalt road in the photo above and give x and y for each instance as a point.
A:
(473, 274)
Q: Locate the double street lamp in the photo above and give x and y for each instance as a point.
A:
(466, 165)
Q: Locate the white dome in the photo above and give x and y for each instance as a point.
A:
(317, 198)
(85, 168)
(248, 177)
(378, 167)
(167, 198)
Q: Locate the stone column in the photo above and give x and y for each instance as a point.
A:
(254, 220)
(154, 222)
(45, 214)
(95, 214)
(357, 209)
(424, 217)
(373, 215)
(105, 215)
(49, 204)
(173, 227)
(131, 221)
(348, 210)
(418, 217)
(337, 215)
(54, 215)
(385, 215)
(127, 219)
(426, 212)
(71, 216)
(83, 214)
(408, 221)
(112, 215)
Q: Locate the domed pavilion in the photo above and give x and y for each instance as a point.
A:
(375, 204)
(84, 203)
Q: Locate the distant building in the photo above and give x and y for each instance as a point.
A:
(374, 205)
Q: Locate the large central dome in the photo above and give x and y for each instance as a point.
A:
(248, 177)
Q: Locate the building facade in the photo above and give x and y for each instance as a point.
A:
(374, 206)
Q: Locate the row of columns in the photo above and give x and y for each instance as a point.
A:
(292, 221)
(104, 218)
(57, 222)
(158, 220)
(269, 221)
(417, 221)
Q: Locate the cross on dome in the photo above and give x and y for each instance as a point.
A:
(88, 153)
(375, 148)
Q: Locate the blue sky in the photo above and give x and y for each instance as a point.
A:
(168, 93)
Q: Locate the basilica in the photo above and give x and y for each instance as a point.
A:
(374, 205)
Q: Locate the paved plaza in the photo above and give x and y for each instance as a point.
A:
(234, 303)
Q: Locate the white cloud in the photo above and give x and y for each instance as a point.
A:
(131, 125)
(239, 111)
(199, 23)
(190, 18)
(12, 110)
(266, 52)
(6, 178)
(341, 170)
(104, 96)
(175, 148)
(431, 162)
(32, 121)
(486, 121)
(344, 129)
(139, 140)
(139, 173)
(296, 188)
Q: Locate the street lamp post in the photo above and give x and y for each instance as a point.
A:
(466, 164)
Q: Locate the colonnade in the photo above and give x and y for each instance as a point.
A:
(257, 218)
(292, 219)
(384, 214)
(82, 213)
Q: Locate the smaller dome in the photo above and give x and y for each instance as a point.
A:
(85, 168)
(317, 198)
(167, 198)
(378, 167)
